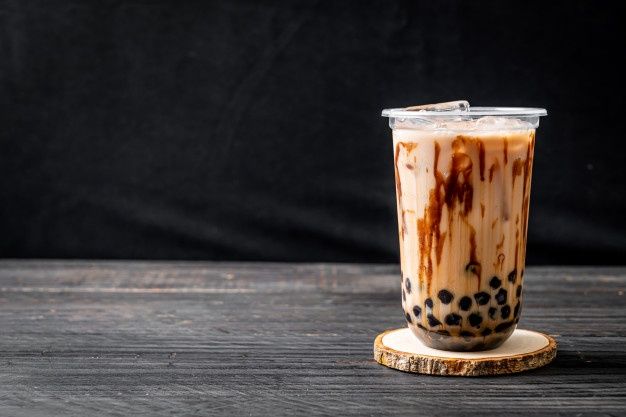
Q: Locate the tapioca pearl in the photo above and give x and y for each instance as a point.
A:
(432, 321)
(473, 268)
(445, 296)
(518, 291)
(504, 326)
(512, 277)
(453, 319)
(465, 333)
(495, 283)
(482, 298)
(501, 296)
(516, 310)
(408, 317)
(474, 319)
(505, 312)
(407, 284)
(417, 310)
(479, 346)
(429, 303)
(457, 347)
(435, 335)
(492, 312)
(465, 303)
(486, 332)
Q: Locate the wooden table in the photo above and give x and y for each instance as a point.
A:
(120, 338)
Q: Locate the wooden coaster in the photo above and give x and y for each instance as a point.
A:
(524, 350)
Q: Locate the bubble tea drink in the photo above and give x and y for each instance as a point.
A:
(463, 188)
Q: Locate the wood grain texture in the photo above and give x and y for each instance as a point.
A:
(120, 338)
(486, 366)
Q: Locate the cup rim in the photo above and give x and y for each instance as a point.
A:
(471, 113)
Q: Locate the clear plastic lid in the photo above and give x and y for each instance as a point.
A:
(463, 117)
(471, 112)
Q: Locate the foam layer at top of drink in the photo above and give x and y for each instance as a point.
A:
(462, 124)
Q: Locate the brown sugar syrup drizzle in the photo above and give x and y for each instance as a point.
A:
(456, 189)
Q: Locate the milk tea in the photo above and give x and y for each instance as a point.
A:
(463, 189)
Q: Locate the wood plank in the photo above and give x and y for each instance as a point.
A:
(161, 338)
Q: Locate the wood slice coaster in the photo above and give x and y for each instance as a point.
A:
(524, 350)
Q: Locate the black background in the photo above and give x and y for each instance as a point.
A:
(251, 130)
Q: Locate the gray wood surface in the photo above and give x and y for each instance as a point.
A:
(145, 338)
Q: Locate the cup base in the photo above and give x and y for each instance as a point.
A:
(464, 343)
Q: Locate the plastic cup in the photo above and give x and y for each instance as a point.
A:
(463, 188)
